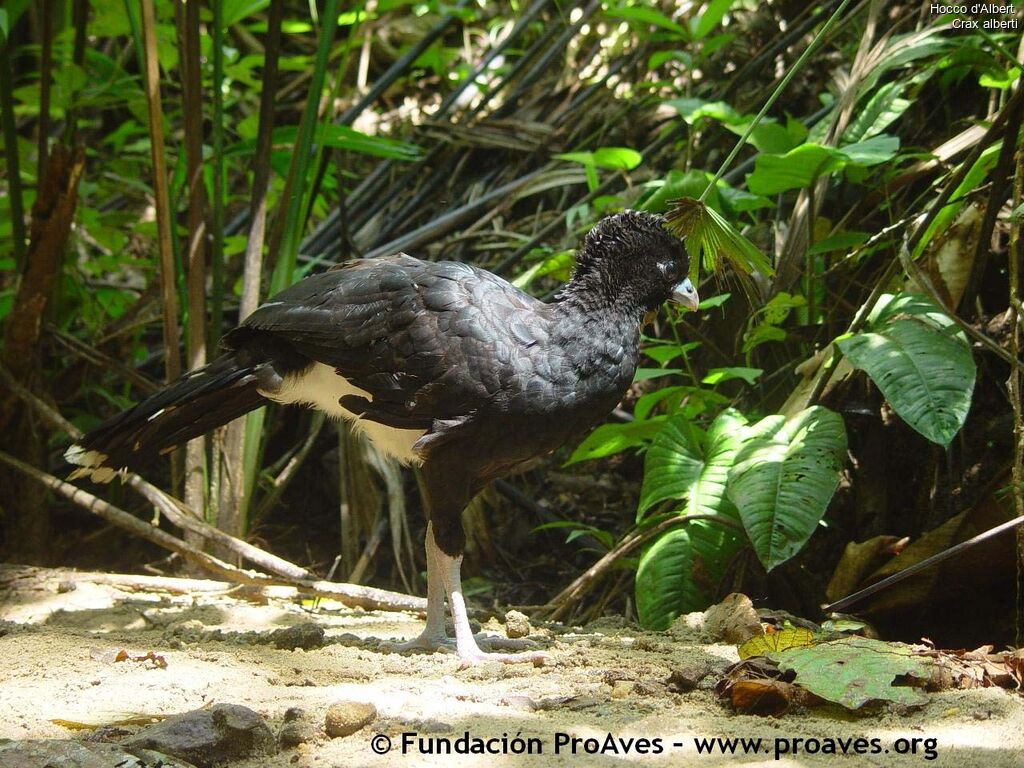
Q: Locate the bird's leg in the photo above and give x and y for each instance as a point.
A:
(433, 635)
(465, 643)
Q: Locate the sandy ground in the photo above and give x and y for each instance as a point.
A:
(56, 663)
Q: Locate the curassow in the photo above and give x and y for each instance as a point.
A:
(442, 365)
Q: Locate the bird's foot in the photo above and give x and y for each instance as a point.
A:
(424, 641)
(471, 653)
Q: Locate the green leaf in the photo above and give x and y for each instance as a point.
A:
(686, 464)
(921, 363)
(714, 301)
(796, 169)
(877, 149)
(885, 106)
(662, 353)
(617, 158)
(337, 137)
(693, 109)
(783, 479)
(676, 184)
(718, 375)
(559, 264)
(977, 173)
(852, 671)
(767, 136)
(615, 438)
(614, 158)
(645, 374)
(709, 19)
(645, 16)
(1001, 80)
(235, 11)
(841, 241)
(680, 572)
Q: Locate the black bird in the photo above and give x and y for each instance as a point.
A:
(442, 366)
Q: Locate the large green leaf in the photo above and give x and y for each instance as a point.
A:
(679, 573)
(855, 670)
(796, 169)
(784, 476)
(684, 463)
(800, 167)
(920, 361)
(614, 438)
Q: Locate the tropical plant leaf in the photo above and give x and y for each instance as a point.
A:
(643, 15)
(779, 640)
(920, 361)
(614, 438)
(796, 169)
(713, 14)
(885, 106)
(852, 671)
(802, 166)
(679, 572)
(337, 137)
(718, 375)
(784, 476)
(685, 463)
(709, 237)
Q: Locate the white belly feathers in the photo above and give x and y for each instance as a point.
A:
(322, 387)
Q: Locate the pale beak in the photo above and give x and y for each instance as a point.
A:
(686, 294)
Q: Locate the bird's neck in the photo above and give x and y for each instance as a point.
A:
(598, 334)
(596, 294)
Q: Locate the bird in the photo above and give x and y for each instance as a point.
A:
(443, 366)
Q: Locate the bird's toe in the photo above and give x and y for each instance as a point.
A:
(426, 642)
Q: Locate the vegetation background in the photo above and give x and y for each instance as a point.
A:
(851, 382)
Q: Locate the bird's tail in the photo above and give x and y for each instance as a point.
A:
(200, 401)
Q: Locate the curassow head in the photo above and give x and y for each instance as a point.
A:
(630, 259)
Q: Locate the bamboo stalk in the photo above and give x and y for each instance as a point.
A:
(241, 450)
(194, 259)
(172, 356)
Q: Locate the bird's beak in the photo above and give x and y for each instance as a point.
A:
(686, 294)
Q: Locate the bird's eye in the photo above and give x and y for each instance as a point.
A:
(669, 269)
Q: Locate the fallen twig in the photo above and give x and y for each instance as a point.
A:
(348, 594)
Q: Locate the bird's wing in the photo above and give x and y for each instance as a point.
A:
(432, 343)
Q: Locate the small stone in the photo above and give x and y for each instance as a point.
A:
(688, 678)
(299, 727)
(344, 718)
(66, 586)
(517, 625)
(208, 737)
(306, 636)
(622, 688)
